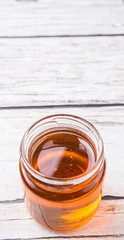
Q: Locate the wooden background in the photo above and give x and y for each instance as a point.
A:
(61, 56)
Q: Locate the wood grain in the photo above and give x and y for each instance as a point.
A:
(52, 17)
(61, 57)
(16, 222)
(13, 123)
(41, 72)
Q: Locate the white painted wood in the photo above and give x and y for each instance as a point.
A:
(61, 71)
(13, 123)
(52, 17)
(18, 211)
(55, 71)
(16, 222)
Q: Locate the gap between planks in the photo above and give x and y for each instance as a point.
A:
(21, 200)
(65, 36)
(63, 106)
(98, 237)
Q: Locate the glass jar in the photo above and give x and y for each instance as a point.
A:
(62, 203)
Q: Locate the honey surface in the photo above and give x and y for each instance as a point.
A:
(62, 155)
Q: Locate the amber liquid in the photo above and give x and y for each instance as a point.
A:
(62, 155)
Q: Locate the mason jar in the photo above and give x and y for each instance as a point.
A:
(64, 191)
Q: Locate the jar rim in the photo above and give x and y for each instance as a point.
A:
(70, 180)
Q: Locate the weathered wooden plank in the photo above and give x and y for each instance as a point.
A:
(109, 121)
(16, 223)
(61, 71)
(18, 211)
(34, 18)
(119, 237)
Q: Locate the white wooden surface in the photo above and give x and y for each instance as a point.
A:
(58, 71)
(61, 57)
(52, 17)
(21, 225)
(109, 121)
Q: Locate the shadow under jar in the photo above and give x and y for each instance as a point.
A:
(62, 166)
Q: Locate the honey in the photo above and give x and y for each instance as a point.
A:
(62, 155)
(62, 171)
